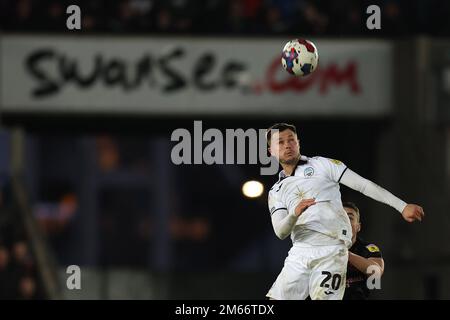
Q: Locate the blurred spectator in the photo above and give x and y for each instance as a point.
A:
(316, 21)
(347, 18)
(20, 253)
(22, 267)
(17, 267)
(125, 153)
(275, 20)
(56, 15)
(27, 288)
(131, 15)
(393, 21)
(236, 18)
(107, 154)
(164, 21)
(184, 12)
(4, 273)
(21, 15)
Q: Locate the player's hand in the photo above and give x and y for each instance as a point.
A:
(413, 212)
(303, 205)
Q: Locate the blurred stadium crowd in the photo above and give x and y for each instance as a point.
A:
(234, 17)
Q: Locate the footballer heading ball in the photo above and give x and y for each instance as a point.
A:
(300, 57)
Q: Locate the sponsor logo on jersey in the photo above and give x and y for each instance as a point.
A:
(337, 162)
(372, 248)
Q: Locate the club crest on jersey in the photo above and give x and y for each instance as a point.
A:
(309, 172)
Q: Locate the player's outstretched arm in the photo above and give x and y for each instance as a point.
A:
(410, 212)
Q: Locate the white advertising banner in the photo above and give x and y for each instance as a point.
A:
(180, 76)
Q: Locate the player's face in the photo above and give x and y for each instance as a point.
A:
(285, 147)
(354, 221)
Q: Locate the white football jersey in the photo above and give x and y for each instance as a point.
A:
(318, 178)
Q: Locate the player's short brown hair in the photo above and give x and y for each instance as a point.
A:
(349, 204)
(280, 127)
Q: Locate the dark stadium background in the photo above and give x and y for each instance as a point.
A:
(98, 189)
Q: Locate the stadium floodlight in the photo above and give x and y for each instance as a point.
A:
(252, 189)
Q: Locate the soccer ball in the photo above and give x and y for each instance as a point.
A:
(300, 57)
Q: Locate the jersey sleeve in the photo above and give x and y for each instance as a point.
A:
(334, 168)
(372, 251)
(372, 190)
(275, 205)
(282, 221)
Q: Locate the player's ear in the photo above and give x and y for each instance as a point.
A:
(358, 228)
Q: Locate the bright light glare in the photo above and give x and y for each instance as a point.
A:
(252, 189)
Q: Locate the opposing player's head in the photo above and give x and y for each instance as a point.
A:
(353, 214)
(283, 143)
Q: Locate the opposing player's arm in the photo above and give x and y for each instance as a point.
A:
(364, 264)
(410, 212)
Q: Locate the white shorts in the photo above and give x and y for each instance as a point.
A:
(317, 271)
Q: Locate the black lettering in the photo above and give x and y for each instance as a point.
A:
(204, 66)
(114, 73)
(176, 81)
(230, 74)
(144, 68)
(69, 71)
(46, 85)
